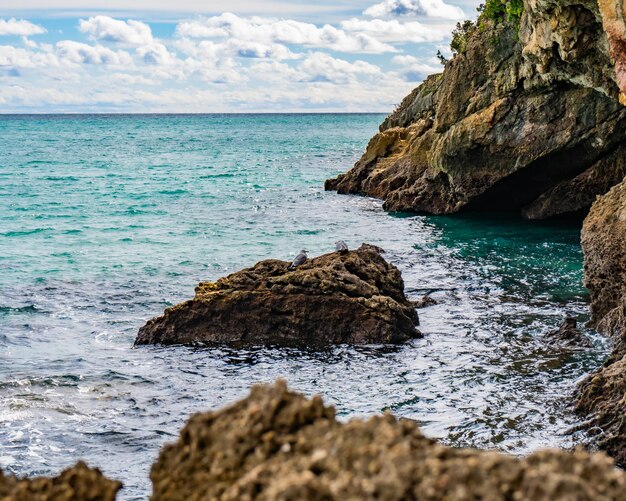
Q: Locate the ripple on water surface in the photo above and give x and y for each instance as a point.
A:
(139, 209)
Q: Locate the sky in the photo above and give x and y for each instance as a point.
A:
(207, 56)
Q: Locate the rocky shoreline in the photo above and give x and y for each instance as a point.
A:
(529, 117)
(526, 118)
(277, 444)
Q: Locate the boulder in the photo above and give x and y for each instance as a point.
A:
(278, 445)
(79, 483)
(340, 297)
(602, 395)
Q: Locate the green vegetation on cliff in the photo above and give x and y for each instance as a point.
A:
(491, 12)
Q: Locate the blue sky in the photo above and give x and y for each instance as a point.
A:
(208, 56)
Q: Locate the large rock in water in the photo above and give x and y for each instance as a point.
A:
(78, 483)
(277, 445)
(526, 120)
(355, 297)
(602, 396)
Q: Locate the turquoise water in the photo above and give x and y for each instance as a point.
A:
(106, 220)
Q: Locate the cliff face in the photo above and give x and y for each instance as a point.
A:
(602, 396)
(527, 121)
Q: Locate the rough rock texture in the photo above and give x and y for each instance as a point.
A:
(614, 23)
(78, 483)
(602, 396)
(354, 297)
(527, 122)
(277, 445)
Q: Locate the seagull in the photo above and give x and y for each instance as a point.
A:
(299, 259)
(341, 247)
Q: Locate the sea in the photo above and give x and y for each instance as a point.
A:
(105, 220)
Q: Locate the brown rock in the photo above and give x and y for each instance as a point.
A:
(278, 445)
(614, 22)
(353, 297)
(602, 396)
(524, 119)
(79, 483)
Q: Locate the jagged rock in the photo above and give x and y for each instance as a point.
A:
(602, 396)
(278, 445)
(614, 23)
(353, 297)
(526, 122)
(79, 483)
(424, 302)
(568, 336)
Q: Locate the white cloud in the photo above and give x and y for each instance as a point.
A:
(106, 28)
(414, 69)
(264, 30)
(320, 67)
(429, 8)
(156, 53)
(395, 31)
(21, 58)
(20, 28)
(80, 53)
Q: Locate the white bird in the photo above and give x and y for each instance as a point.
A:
(341, 247)
(299, 259)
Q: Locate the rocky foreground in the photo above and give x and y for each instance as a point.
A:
(526, 117)
(279, 445)
(602, 396)
(354, 297)
(78, 483)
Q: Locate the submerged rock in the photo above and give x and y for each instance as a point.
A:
(79, 483)
(569, 336)
(341, 297)
(276, 444)
(526, 118)
(602, 396)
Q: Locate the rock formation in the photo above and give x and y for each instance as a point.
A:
(568, 336)
(78, 483)
(353, 297)
(602, 396)
(526, 118)
(276, 444)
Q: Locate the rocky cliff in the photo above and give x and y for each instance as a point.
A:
(525, 118)
(602, 396)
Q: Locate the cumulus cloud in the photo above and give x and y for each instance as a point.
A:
(395, 31)
(17, 57)
(429, 8)
(415, 70)
(114, 30)
(80, 53)
(20, 28)
(320, 67)
(284, 31)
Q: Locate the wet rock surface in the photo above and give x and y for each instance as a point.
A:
(568, 336)
(276, 444)
(529, 122)
(602, 396)
(79, 483)
(340, 297)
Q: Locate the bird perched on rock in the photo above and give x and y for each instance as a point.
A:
(299, 259)
(341, 247)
